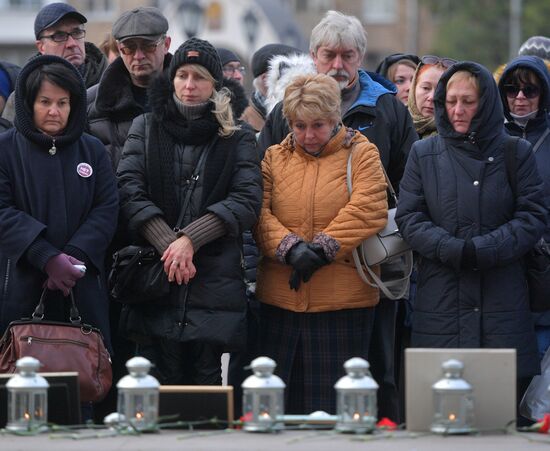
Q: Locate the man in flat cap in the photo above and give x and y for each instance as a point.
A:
(59, 30)
(122, 93)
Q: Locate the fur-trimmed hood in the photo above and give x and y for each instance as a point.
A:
(282, 70)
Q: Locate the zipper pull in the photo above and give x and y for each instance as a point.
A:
(29, 340)
(53, 149)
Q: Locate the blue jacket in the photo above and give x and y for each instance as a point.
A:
(65, 202)
(455, 191)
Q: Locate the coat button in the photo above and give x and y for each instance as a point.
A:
(491, 159)
(476, 183)
(476, 310)
(179, 323)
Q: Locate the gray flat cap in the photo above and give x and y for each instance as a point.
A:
(144, 22)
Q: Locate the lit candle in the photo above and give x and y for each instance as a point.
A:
(452, 417)
(26, 416)
(139, 416)
(356, 416)
(264, 416)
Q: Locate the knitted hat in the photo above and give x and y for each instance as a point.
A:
(260, 59)
(198, 51)
(227, 56)
(536, 46)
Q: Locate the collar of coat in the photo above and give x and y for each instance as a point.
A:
(344, 138)
(114, 93)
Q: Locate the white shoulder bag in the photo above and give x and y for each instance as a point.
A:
(385, 247)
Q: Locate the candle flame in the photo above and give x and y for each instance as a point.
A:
(356, 416)
(27, 416)
(452, 417)
(139, 415)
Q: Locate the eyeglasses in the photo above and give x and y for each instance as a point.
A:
(145, 47)
(529, 91)
(433, 60)
(63, 36)
(230, 70)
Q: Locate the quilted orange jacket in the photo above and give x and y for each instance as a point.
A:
(306, 198)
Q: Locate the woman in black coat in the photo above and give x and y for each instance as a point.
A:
(186, 332)
(458, 211)
(58, 199)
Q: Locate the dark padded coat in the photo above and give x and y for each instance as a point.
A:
(212, 308)
(112, 108)
(455, 189)
(44, 196)
(533, 132)
(377, 114)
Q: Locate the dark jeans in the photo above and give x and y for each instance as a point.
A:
(183, 363)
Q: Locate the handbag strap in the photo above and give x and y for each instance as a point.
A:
(541, 140)
(193, 183)
(388, 182)
(74, 315)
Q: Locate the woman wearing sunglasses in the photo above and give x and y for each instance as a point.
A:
(421, 101)
(459, 213)
(525, 92)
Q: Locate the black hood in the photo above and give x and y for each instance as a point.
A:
(385, 64)
(536, 65)
(488, 122)
(24, 122)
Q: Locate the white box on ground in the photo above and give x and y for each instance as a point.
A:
(491, 372)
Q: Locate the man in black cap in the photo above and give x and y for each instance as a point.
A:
(231, 65)
(256, 112)
(59, 30)
(122, 93)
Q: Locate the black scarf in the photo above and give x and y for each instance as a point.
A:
(169, 128)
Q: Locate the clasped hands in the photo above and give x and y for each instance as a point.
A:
(62, 274)
(178, 261)
(305, 259)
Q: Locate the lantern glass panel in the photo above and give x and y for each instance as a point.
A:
(356, 410)
(26, 409)
(453, 413)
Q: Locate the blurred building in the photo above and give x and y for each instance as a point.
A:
(240, 25)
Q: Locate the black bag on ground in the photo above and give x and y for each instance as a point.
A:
(138, 275)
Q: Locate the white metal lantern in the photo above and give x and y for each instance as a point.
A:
(138, 396)
(356, 398)
(27, 397)
(263, 397)
(453, 401)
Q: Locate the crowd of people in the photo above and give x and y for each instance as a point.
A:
(246, 204)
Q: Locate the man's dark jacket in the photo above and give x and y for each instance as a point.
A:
(112, 107)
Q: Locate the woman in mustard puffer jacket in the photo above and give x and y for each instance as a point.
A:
(316, 311)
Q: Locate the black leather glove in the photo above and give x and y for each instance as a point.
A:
(305, 258)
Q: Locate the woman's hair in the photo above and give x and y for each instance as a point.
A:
(109, 45)
(390, 75)
(311, 97)
(338, 30)
(464, 75)
(58, 75)
(522, 75)
(222, 103)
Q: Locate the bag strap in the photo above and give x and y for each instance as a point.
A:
(193, 183)
(74, 315)
(377, 282)
(511, 164)
(388, 182)
(541, 140)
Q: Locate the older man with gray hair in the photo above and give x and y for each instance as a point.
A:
(338, 45)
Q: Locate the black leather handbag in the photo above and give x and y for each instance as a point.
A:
(137, 275)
